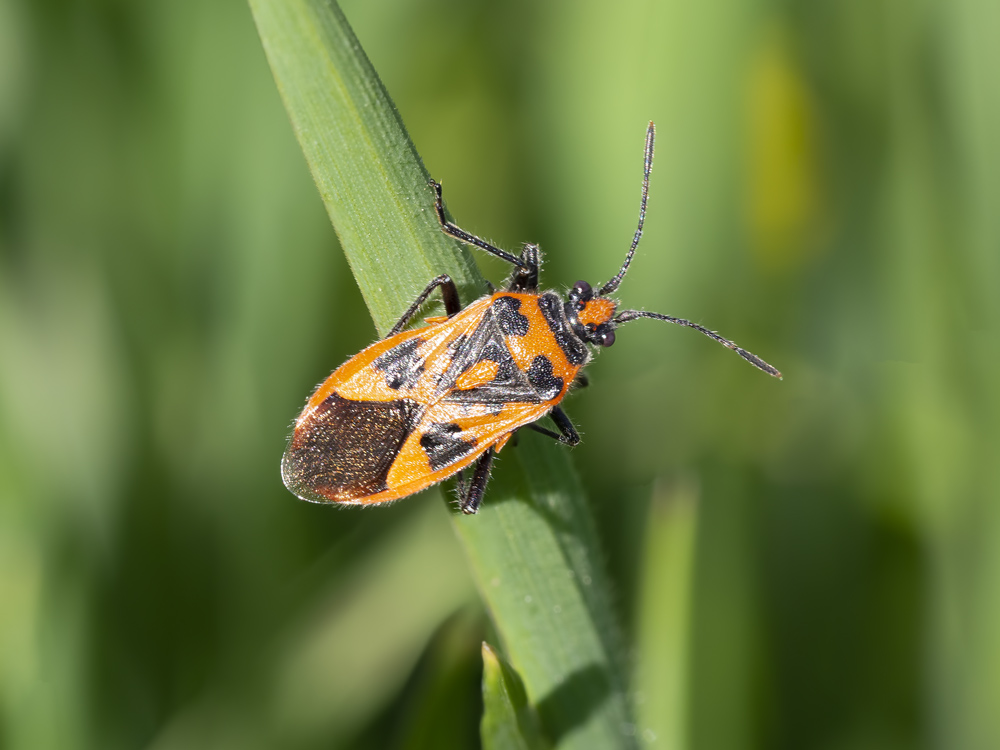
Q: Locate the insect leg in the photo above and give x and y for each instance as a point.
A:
(470, 239)
(477, 486)
(568, 435)
(525, 279)
(448, 292)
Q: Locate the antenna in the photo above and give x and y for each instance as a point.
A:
(647, 166)
(626, 315)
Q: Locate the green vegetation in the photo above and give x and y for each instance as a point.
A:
(533, 550)
(807, 563)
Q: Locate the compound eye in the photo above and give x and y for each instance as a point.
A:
(581, 292)
(605, 335)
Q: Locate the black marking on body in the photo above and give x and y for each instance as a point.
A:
(511, 322)
(551, 308)
(457, 344)
(455, 353)
(344, 449)
(487, 344)
(401, 364)
(496, 351)
(540, 374)
(443, 445)
(465, 353)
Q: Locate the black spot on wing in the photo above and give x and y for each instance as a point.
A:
(496, 351)
(511, 322)
(344, 449)
(547, 385)
(465, 352)
(494, 394)
(551, 308)
(509, 385)
(458, 344)
(401, 364)
(456, 348)
(443, 445)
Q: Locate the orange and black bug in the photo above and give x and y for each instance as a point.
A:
(423, 404)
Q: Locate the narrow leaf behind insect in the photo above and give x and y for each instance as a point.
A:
(509, 721)
(534, 553)
(367, 171)
(664, 616)
(533, 547)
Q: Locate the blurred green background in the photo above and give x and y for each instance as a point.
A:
(806, 564)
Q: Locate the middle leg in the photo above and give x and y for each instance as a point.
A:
(448, 292)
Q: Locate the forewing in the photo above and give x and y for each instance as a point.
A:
(449, 437)
(343, 450)
(351, 432)
(410, 364)
(414, 409)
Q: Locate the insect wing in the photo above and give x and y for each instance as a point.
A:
(482, 396)
(351, 431)
(449, 439)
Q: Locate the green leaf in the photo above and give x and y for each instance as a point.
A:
(367, 171)
(534, 553)
(664, 615)
(533, 547)
(509, 721)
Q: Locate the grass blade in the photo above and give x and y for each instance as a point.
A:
(664, 617)
(509, 721)
(533, 547)
(367, 171)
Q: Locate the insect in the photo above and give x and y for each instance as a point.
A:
(424, 404)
